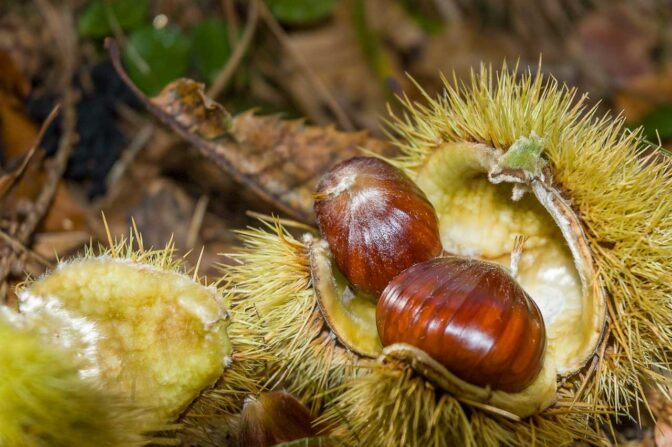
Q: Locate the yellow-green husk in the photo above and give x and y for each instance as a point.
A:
(44, 402)
(142, 327)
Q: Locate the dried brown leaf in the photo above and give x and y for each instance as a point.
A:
(67, 212)
(8, 180)
(279, 160)
(640, 95)
(11, 78)
(17, 129)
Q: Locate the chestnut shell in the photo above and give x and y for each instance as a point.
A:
(470, 316)
(376, 220)
(272, 418)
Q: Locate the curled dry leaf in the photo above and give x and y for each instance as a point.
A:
(279, 160)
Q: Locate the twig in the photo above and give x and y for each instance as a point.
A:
(119, 34)
(16, 242)
(321, 89)
(129, 154)
(196, 221)
(232, 64)
(231, 20)
(18, 246)
(8, 182)
(61, 26)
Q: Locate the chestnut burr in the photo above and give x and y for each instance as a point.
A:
(376, 220)
(470, 316)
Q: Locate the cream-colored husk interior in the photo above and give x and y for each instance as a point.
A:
(538, 396)
(478, 218)
(154, 335)
(351, 316)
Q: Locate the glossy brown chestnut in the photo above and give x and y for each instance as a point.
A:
(272, 418)
(376, 220)
(470, 316)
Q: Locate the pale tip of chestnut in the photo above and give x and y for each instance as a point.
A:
(376, 220)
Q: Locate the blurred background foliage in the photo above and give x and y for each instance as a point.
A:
(343, 60)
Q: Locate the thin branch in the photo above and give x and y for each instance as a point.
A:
(224, 76)
(119, 34)
(56, 166)
(229, 8)
(8, 181)
(128, 155)
(15, 243)
(17, 246)
(196, 221)
(61, 25)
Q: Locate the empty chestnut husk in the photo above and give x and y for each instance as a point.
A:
(471, 316)
(376, 220)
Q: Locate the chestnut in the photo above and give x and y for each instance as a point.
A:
(376, 220)
(272, 418)
(471, 316)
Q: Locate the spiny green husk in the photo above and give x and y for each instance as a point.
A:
(393, 406)
(617, 192)
(619, 195)
(44, 402)
(273, 298)
(211, 417)
(366, 403)
(279, 338)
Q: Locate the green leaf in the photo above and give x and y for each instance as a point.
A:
(210, 47)
(660, 119)
(299, 12)
(154, 57)
(97, 20)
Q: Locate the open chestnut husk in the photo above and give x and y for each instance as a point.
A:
(502, 156)
(470, 316)
(376, 220)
